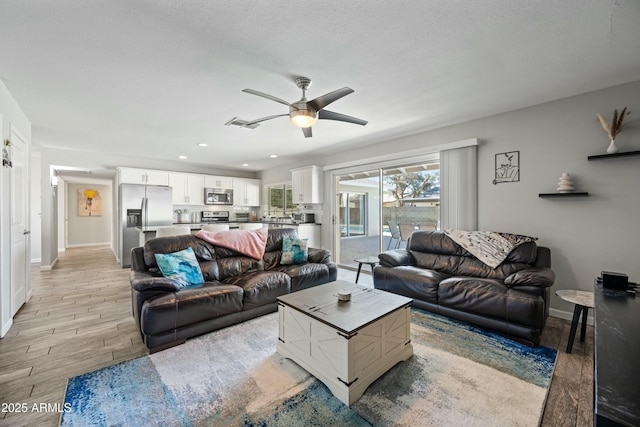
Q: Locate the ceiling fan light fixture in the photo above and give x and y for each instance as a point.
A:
(303, 118)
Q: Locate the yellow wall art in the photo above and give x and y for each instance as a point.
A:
(89, 202)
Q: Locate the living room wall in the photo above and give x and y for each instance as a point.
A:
(88, 230)
(586, 235)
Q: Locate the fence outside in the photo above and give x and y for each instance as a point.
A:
(411, 214)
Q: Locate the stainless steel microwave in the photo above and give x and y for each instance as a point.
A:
(218, 196)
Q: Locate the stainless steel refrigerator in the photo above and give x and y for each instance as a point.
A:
(141, 206)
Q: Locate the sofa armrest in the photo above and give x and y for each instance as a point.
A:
(541, 277)
(142, 281)
(395, 258)
(319, 256)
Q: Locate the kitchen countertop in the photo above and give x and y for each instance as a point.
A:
(198, 225)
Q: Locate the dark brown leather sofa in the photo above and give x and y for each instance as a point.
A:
(236, 288)
(444, 278)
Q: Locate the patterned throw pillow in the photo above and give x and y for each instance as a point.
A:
(294, 251)
(181, 266)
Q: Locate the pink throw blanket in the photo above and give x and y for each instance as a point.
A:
(248, 242)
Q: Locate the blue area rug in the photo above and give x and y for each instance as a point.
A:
(459, 375)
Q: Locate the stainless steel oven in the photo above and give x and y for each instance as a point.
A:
(218, 196)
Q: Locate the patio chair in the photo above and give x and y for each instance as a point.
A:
(406, 230)
(395, 234)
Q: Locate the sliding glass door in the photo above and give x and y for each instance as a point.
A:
(358, 216)
(353, 214)
(411, 201)
(377, 209)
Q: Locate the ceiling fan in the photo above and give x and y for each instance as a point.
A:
(305, 113)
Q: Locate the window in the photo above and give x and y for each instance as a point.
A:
(281, 200)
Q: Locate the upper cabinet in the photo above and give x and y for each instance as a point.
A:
(188, 189)
(307, 185)
(212, 181)
(143, 176)
(246, 192)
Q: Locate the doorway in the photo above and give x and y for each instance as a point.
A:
(372, 204)
(20, 258)
(353, 214)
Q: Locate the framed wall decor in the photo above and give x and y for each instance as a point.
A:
(507, 167)
(89, 202)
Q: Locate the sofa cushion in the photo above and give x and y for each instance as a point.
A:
(182, 266)
(412, 282)
(261, 287)
(491, 298)
(274, 239)
(455, 265)
(165, 245)
(304, 276)
(190, 305)
(294, 251)
(236, 266)
(435, 250)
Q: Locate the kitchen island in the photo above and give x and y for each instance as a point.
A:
(308, 231)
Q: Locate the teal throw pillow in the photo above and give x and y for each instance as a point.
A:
(181, 266)
(294, 251)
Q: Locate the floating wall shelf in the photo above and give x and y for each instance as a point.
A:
(573, 194)
(607, 156)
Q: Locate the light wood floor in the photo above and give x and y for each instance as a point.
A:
(79, 319)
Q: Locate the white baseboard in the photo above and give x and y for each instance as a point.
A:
(567, 315)
(49, 267)
(36, 260)
(85, 245)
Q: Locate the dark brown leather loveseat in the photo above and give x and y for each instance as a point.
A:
(441, 276)
(236, 288)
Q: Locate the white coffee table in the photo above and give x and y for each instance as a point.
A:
(346, 345)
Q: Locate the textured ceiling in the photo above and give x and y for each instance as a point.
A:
(155, 78)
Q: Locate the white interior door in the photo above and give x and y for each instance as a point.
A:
(20, 285)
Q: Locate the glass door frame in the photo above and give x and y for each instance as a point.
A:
(364, 212)
(334, 177)
(336, 231)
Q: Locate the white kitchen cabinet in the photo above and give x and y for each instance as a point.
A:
(213, 181)
(246, 192)
(307, 185)
(188, 189)
(143, 176)
(311, 232)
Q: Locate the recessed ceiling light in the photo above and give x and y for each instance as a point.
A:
(182, 157)
(202, 144)
(273, 156)
(245, 164)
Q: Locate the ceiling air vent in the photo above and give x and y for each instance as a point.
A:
(241, 123)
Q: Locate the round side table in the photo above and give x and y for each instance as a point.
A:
(371, 260)
(583, 301)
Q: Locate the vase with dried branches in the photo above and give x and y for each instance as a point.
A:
(614, 128)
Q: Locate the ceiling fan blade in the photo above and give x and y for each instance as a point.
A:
(253, 122)
(330, 115)
(266, 95)
(307, 132)
(326, 99)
